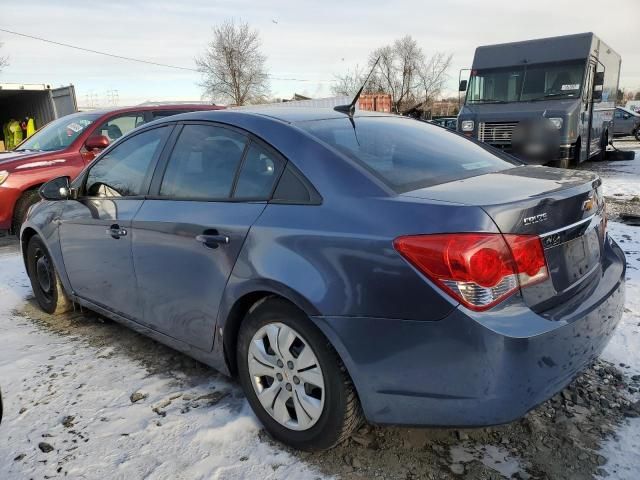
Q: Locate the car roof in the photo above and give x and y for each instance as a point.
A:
(153, 108)
(628, 111)
(283, 114)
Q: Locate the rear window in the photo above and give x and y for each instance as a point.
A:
(407, 154)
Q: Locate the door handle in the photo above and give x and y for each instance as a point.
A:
(116, 232)
(212, 241)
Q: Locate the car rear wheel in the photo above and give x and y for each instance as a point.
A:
(637, 134)
(294, 379)
(45, 281)
(28, 198)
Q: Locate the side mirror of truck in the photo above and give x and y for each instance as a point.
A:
(597, 95)
(598, 79)
(463, 86)
(56, 189)
(97, 142)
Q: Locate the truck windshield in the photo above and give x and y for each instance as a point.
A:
(58, 134)
(526, 83)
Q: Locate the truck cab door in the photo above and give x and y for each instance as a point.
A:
(586, 118)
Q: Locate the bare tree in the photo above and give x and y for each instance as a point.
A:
(349, 83)
(432, 75)
(403, 71)
(232, 67)
(4, 61)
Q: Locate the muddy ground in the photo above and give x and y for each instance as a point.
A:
(558, 440)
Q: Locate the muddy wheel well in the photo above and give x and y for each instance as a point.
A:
(238, 312)
(24, 242)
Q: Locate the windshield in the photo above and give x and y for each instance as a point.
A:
(526, 83)
(58, 134)
(407, 154)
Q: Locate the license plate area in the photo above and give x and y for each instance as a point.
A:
(572, 260)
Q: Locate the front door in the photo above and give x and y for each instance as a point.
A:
(95, 230)
(188, 236)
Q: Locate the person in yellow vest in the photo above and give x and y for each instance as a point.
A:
(12, 134)
(31, 127)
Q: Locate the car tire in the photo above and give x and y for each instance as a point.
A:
(44, 278)
(28, 198)
(637, 134)
(563, 163)
(335, 412)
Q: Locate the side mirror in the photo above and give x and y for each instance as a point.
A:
(463, 86)
(56, 189)
(597, 95)
(598, 79)
(97, 142)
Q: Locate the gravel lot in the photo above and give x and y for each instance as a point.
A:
(88, 398)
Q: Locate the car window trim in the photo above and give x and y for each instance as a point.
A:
(148, 175)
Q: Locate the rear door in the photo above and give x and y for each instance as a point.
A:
(95, 229)
(213, 186)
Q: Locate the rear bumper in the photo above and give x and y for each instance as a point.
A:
(475, 369)
(8, 198)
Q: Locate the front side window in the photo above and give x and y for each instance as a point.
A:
(407, 154)
(526, 83)
(117, 127)
(59, 134)
(122, 171)
(203, 163)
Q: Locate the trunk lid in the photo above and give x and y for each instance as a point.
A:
(564, 207)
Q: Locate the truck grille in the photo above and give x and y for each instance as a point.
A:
(496, 133)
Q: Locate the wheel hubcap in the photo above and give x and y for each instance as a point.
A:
(43, 272)
(286, 376)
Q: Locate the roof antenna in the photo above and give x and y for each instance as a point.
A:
(351, 108)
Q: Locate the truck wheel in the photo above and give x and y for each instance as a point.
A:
(45, 281)
(564, 163)
(293, 378)
(28, 198)
(600, 156)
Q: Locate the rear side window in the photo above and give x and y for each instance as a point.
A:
(259, 173)
(203, 163)
(407, 154)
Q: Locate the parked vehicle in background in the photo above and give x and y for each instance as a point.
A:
(633, 105)
(339, 264)
(65, 147)
(447, 122)
(569, 82)
(39, 102)
(626, 122)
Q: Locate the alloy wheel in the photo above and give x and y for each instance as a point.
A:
(286, 376)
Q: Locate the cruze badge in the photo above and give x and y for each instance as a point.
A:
(541, 217)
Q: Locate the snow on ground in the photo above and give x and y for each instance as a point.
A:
(623, 452)
(48, 379)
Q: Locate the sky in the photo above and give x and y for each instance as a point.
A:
(311, 41)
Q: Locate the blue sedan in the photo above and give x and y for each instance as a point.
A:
(342, 266)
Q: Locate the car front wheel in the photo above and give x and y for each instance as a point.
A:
(294, 379)
(45, 281)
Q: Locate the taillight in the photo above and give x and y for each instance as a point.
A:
(477, 269)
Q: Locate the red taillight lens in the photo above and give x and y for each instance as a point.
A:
(477, 269)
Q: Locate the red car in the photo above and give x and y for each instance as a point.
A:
(64, 147)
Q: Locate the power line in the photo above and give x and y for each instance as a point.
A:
(131, 59)
(139, 60)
